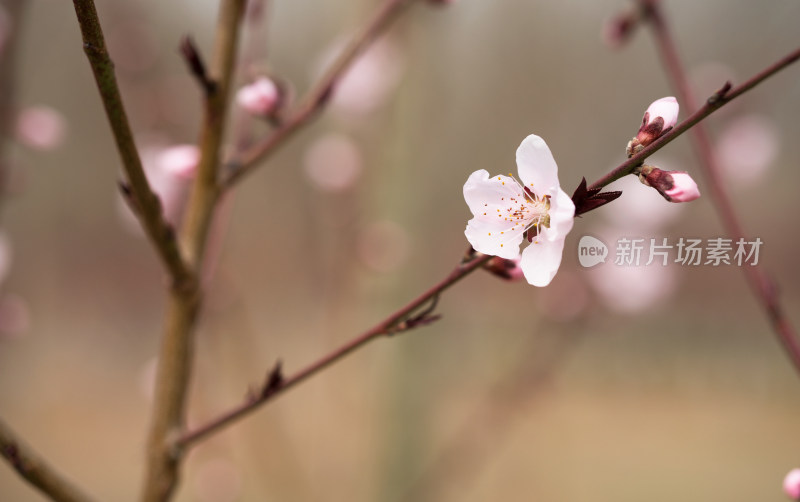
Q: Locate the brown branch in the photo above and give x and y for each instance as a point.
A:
(722, 97)
(725, 95)
(150, 214)
(763, 287)
(385, 327)
(318, 96)
(176, 355)
(35, 470)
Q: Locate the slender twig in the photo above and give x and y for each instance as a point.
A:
(384, 327)
(175, 357)
(722, 97)
(35, 470)
(761, 284)
(317, 97)
(149, 207)
(725, 95)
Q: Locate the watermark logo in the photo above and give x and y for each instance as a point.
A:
(683, 251)
(591, 251)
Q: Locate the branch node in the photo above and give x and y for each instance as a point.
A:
(196, 65)
(715, 98)
(274, 380)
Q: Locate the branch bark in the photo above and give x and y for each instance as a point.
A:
(35, 470)
(761, 284)
(389, 326)
(149, 212)
(244, 163)
(176, 355)
(722, 97)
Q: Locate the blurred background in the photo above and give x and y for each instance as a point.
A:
(612, 384)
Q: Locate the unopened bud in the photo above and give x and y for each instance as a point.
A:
(264, 97)
(791, 484)
(660, 117)
(675, 186)
(504, 268)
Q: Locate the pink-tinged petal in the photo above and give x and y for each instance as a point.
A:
(536, 166)
(494, 238)
(179, 160)
(666, 108)
(540, 261)
(791, 484)
(485, 194)
(259, 98)
(562, 217)
(684, 189)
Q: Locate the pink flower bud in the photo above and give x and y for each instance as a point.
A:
(262, 97)
(791, 484)
(684, 189)
(660, 117)
(675, 186)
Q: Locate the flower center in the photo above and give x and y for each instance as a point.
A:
(526, 211)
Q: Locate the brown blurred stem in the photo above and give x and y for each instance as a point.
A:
(15, 10)
(318, 96)
(35, 470)
(176, 354)
(763, 287)
(149, 211)
(391, 325)
(720, 98)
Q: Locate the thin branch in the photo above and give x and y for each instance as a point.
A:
(150, 214)
(35, 470)
(385, 327)
(177, 348)
(763, 287)
(722, 97)
(725, 95)
(318, 96)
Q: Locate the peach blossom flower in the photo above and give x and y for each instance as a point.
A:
(505, 211)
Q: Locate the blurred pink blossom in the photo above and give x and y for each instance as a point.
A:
(383, 246)
(170, 171)
(333, 162)
(791, 484)
(747, 147)
(261, 98)
(218, 480)
(639, 209)
(369, 81)
(632, 289)
(41, 128)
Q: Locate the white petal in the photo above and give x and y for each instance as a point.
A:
(562, 216)
(540, 261)
(536, 166)
(494, 238)
(486, 195)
